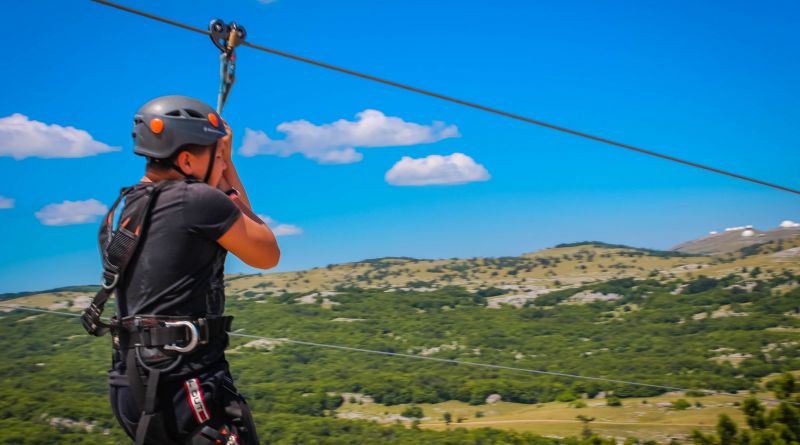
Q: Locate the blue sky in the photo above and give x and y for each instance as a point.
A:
(714, 82)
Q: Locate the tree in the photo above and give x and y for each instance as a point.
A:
(780, 425)
(784, 386)
(755, 414)
(448, 418)
(586, 432)
(413, 412)
(701, 284)
(727, 430)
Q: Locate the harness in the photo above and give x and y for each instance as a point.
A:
(176, 337)
(117, 248)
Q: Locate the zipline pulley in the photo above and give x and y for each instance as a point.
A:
(226, 37)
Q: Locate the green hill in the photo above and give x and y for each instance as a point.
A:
(722, 323)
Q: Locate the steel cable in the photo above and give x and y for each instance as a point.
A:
(458, 101)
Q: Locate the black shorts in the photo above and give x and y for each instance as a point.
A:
(185, 405)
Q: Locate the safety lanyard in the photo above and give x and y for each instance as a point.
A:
(226, 37)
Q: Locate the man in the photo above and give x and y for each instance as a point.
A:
(170, 382)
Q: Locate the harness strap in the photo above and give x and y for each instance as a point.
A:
(149, 418)
(120, 247)
(151, 422)
(135, 384)
(108, 226)
(159, 335)
(237, 410)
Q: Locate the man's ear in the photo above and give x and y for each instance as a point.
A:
(184, 162)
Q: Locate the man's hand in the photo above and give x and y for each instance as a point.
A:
(225, 144)
(224, 148)
(230, 178)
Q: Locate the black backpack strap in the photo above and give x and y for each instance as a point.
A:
(117, 250)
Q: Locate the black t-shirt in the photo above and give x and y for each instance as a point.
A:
(178, 267)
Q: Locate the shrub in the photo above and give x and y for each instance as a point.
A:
(413, 412)
(701, 284)
(681, 404)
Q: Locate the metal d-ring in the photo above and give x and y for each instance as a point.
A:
(113, 283)
(192, 342)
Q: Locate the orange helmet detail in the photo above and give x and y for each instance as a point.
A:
(213, 119)
(157, 125)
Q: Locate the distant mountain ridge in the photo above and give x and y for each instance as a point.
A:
(736, 239)
(654, 252)
(561, 265)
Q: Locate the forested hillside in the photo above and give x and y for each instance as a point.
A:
(722, 323)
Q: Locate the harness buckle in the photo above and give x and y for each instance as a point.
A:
(204, 330)
(193, 341)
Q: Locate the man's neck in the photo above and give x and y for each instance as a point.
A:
(155, 177)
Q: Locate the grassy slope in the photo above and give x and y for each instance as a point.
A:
(638, 417)
(572, 267)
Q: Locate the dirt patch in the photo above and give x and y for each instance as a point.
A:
(264, 344)
(436, 349)
(588, 297)
(689, 267)
(734, 359)
(723, 312)
(794, 252)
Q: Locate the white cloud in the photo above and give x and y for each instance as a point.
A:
(6, 203)
(21, 138)
(789, 223)
(335, 143)
(456, 168)
(287, 230)
(71, 212)
(280, 229)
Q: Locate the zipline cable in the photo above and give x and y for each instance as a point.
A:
(450, 361)
(457, 101)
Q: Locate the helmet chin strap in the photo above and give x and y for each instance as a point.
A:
(211, 163)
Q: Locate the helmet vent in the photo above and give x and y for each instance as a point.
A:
(193, 113)
(173, 113)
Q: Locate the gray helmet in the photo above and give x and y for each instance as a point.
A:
(166, 123)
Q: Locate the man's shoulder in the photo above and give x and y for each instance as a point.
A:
(201, 189)
(196, 191)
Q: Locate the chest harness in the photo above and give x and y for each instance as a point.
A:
(135, 336)
(118, 247)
